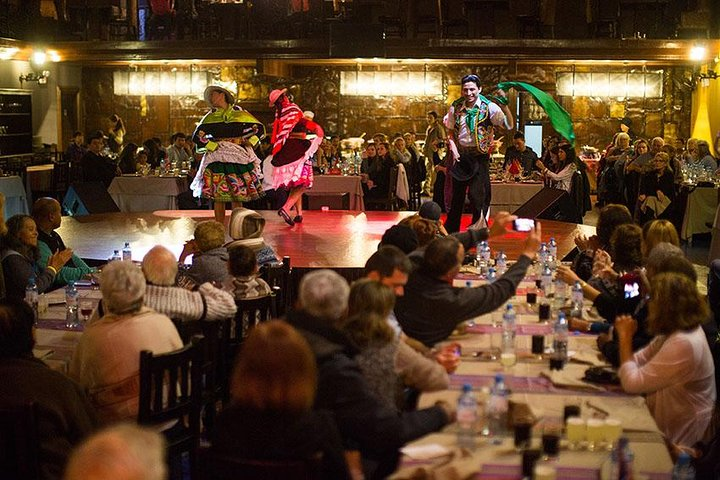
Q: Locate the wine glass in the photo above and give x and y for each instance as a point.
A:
(86, 308)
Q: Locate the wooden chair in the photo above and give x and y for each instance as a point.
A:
(390, 201)
(220, 467)
(279, 277)
(19, 442)
(171, 390)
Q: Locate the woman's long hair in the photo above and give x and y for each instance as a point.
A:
(11, 240)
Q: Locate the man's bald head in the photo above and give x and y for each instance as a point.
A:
(160, 266)
(47, 213)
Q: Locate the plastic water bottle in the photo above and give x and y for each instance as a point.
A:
(560, 343)
(552, 247)
(683, 469)
(491, 275)
(481, 267)
(621, 461)
(577, 296)
(482, 256)
(507, 356)
(116, 255)
(560, 293)
(467, 417)
(31, 297)
(71, 305)
(127, 252)
(501, 263)
(497, 410)
(546, 281)
(543, 253)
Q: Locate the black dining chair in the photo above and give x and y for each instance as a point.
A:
(171, 389)
(222, 467)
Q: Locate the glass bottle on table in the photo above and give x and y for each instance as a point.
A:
(127, 252)
(71, 305)
(31, 297)
(560, 343)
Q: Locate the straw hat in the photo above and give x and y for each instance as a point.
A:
(275, 94)
(229, 97)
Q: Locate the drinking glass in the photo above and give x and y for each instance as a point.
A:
(522, 434)
(86, 308)
(595, 433)
(613, 430)
(575, 430)
(551, 433)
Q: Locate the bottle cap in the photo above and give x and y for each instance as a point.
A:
(467, 387)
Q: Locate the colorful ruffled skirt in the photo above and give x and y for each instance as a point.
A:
(229, 174)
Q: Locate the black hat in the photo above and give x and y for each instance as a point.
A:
(430, 210)
(400, 236)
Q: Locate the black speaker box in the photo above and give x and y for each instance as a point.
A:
(549, 204)
(344, 40)
(84, 198)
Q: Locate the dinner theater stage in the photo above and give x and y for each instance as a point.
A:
(338, 239)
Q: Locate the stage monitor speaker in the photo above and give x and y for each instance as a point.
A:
(85, 198)
(344, 40)
(549, 204)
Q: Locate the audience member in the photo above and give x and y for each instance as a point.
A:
(164, 296)
(107, 359)
(177, 153)
(120, 452)
(96, 167)
(656, 191)
(560, 174)
(379, 172)
(432, 307)
(388, 364)
(209, 262)
(48, 216)
(127, 161)
(675, 370)
(400, 236)
(272, 391)
(20, 255)
(434, 134)
(656, 232)
(364, 422)
(520, 154)
(245, 282)
(64, 414)
(246, 228)
(610, 217)
(704, 158)
(76, 150)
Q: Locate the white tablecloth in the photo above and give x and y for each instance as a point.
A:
(147, 194)
(15, 196)
(341, 184)
(509, 196)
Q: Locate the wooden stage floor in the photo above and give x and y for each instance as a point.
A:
(334, 239)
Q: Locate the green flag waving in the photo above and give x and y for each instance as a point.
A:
(559, 117)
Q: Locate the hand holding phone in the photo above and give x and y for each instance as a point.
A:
(523, 224)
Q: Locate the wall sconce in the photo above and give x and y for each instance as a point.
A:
(41, 78)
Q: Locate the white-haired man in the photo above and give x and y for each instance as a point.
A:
(164, 296)
(363, 420)
(107, 359)
(121, 452)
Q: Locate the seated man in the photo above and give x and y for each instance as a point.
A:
(107, 359)
(64, 414)
(96, 167)
(48, 217)
(432, 308)
(364, 421)
(163, 295)
(210, 256)
(521, 155)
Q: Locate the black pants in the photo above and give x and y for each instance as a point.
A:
(477, 187)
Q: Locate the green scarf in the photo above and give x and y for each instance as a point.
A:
(559, 117)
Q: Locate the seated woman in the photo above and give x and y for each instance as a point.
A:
(388, 364)
(270, 414)
(126, 159)
(610, 217)
(656, 232)
(657, 190)
(560, 174)
(20, 255)
(245, 283)
(675, 370)
(379, 173)
(209, 262)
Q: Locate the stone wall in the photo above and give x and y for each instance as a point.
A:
(317, 88)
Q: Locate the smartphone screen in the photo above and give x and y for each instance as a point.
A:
(523, 224)
(631, 285)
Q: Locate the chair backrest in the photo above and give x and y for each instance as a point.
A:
(250, 312)
(19, 441)
(279, 277)
(171, 386)
(221, 467)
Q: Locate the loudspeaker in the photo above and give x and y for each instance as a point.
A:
(549, 204)
(84, 198)
(344, 40)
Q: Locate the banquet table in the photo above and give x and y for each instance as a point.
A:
(15, 196)
(341, 184)
(55, 343)
(543, 393)
(699, 211)
(146, 194)
(509, 196)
